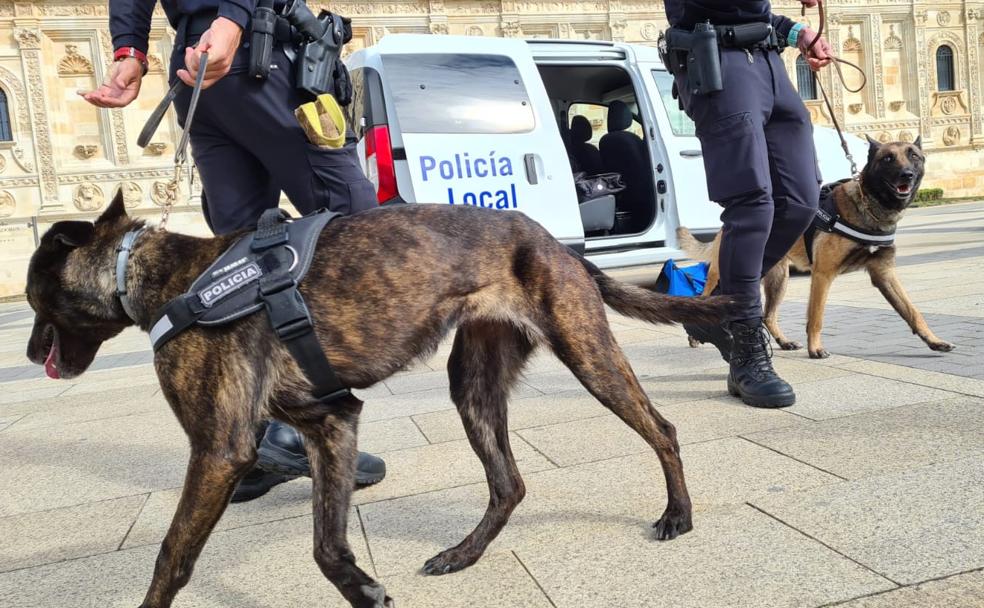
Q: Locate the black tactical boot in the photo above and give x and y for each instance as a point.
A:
(282, 452)
(752, 377)
(711, 334)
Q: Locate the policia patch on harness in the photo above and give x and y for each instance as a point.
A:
(261, 270)
(828, 220)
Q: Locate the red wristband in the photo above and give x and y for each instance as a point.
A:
(129, 51)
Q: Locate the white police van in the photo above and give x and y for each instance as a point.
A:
(493, 122)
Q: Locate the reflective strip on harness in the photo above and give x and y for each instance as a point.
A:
(828, 220)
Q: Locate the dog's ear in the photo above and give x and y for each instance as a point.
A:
(918, 142)
(115, 211)
(873, 147)
(68, 234)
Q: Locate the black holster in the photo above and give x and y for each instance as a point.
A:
(695, 54)
(262, 39)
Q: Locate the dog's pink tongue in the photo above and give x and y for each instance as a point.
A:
(49, 364)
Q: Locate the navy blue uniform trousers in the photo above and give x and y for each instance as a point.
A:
(760, 160)
(248, 147)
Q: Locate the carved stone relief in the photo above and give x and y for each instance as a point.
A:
(73, 63)
(88, 197)
(951, 136)
(8, 205)
(132, 194)
(158, 193)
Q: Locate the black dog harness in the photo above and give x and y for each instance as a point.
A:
(261, 270)
(828, 220)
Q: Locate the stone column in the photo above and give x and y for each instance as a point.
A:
(875, 44)
(28, 37)
(121, 152)
(919, 17)
(975, 95)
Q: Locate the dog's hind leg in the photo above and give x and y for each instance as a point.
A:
(485, 362)
(220, 457)
(331, 448)
(582, 339)
(775, 283)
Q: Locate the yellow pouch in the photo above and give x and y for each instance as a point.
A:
(323, 122)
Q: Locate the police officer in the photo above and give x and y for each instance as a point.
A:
(248, 147)
(761, 166)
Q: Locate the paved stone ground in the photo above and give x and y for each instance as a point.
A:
(868, 493)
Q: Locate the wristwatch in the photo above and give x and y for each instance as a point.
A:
(126, 52)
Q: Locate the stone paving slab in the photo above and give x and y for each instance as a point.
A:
(886, 441)
(737, 557)
(613, 501)
(90, 461)
(959, 591)
(848, 395)
(251, 567)
(910, 526)
(59, 534)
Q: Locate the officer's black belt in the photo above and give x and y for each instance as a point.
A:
(828, 220)
(261, 270)
(749, 36)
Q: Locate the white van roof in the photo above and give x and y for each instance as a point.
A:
(400, 44)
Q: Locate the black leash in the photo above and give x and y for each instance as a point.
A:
(181, 151)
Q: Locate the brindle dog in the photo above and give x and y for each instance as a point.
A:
(384, 288)
(876, 201)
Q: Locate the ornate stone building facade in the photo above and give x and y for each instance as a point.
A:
(60, 157)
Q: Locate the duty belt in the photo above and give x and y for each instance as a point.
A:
(749, 36)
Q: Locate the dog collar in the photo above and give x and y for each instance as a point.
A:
(122, 260)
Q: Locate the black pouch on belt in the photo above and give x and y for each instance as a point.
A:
(746, 35)
(262, 39)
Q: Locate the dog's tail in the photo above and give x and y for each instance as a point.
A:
(697, 250)
(654, 307)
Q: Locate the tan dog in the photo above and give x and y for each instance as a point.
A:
(875, 202)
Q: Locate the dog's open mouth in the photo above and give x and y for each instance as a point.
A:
(903, 189)
(51, 362)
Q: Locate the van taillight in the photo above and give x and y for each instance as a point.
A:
(379, 163)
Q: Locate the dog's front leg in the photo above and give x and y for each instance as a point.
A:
(819, 290)
(775, 283)
(212, 476)
(331, 447)
(883, 277)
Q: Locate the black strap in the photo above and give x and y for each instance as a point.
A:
(292, 323)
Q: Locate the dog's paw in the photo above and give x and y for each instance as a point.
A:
(670, 525)
(819, 353)
(942, 347)
(693, 342)
(789, 345)
(374, 596)
(449, 561)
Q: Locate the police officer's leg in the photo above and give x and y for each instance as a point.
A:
(793, 166)
(731, 128)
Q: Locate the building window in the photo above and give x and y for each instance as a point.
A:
(5, 132)
(944, 69)
(805, 82)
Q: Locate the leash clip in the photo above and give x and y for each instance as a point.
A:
(173, 187)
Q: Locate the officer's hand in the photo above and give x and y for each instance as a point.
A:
(820, 55)
(220, 42)
(121, 88)
(809, 3)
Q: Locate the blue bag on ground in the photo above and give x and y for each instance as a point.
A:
(676, 281)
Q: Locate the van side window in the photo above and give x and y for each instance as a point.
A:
(458, 93)
(679, 121)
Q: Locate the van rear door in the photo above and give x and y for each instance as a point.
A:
(683, 152)
(476, 128)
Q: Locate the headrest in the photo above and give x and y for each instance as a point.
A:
(619, 117)
(581, 130)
